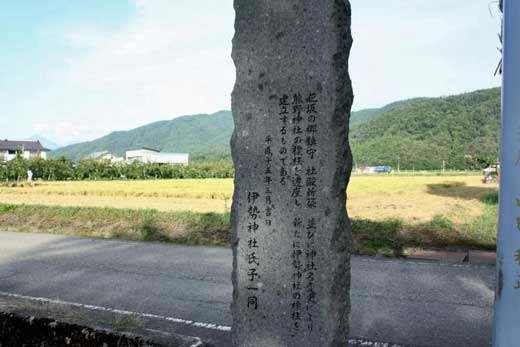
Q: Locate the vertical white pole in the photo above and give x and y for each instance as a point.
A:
(507, 298)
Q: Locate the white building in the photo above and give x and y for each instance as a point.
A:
(104, 155)
(28, 149)
(147, 155)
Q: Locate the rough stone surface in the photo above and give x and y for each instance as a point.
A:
(31, 331)
(291, 233)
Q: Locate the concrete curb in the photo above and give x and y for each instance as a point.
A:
(469, 257)
(16, 330)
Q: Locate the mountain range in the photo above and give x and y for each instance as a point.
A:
(420, 133)
(203, 136)
(461, 131)
(49, 144)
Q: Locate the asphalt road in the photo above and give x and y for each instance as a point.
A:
(404, 302)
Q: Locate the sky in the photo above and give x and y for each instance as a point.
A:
(73, 71)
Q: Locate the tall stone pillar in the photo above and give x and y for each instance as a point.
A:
(291, 234)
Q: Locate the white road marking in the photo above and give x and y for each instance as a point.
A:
(361, 342)
(355, 342)
(122, 312)
(198, 343)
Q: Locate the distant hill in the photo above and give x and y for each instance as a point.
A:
(203, 136)
(49, 144)
(362, 116)
(424, 132)
(419, 133)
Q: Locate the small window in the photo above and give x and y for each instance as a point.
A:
(12, 151)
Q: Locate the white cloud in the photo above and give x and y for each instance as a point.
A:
(172, 58)
(67, 132)
(405, 49)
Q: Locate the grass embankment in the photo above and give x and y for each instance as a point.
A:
(397, 237)
(145, 225)
(392, 237)
(389, 212)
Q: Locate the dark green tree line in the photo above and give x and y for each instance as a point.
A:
(61, 169)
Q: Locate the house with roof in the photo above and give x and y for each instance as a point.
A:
(149, 155)
(28, 149)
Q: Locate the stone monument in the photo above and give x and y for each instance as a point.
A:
(291, 234)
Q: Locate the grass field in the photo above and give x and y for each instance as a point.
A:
(389, 212)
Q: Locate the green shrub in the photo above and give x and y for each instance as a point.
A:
(62, 169)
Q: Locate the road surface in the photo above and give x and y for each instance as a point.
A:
(399, 301)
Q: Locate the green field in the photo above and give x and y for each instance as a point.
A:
(390, 213)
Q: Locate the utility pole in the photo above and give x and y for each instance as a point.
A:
(443, 166)
(507, 296)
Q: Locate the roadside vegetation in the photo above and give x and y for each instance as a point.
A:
(390, 214)
(387, 238)
(139, 225)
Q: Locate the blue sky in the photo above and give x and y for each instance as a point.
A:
(76, 70)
